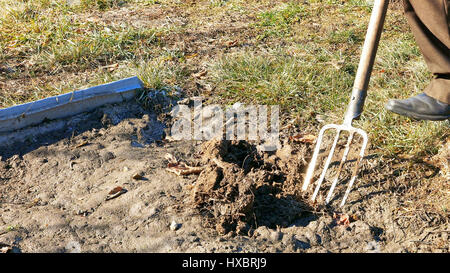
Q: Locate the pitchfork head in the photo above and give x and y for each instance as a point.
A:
(346, 127)
(357, 99)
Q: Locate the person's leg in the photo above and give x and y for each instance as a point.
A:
(429, 21)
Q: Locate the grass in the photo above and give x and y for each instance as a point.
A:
(280, 21)
(301, 55)
(50, 41)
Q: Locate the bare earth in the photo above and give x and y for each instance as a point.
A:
(57, 194)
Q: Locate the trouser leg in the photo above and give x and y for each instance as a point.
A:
(430, 23)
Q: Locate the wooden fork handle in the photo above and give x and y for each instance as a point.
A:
(367, 59)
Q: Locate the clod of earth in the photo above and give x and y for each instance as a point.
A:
(241, 188)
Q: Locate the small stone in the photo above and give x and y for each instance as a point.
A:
(4, 248)
(174, 226)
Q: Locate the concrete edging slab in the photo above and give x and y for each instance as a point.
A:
(69, 104)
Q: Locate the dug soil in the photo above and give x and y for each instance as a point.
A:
(112, 181)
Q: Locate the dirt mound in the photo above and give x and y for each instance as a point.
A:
(241, 188)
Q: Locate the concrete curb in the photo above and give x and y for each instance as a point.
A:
(68, 104)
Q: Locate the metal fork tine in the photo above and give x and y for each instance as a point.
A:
(312, 164)
(355, 170)
(343, 160)
(327, 163)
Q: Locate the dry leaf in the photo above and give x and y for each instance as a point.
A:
(343, 219)
(115, 192)
(111, 67)
(405, 156)
(191, 56)
(180, 168)
(137, 177)
(200, 74)
(304, 138)
(183, 169)
(81, 144)
(231, 43)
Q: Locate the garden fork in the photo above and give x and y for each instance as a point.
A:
(354, 110)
